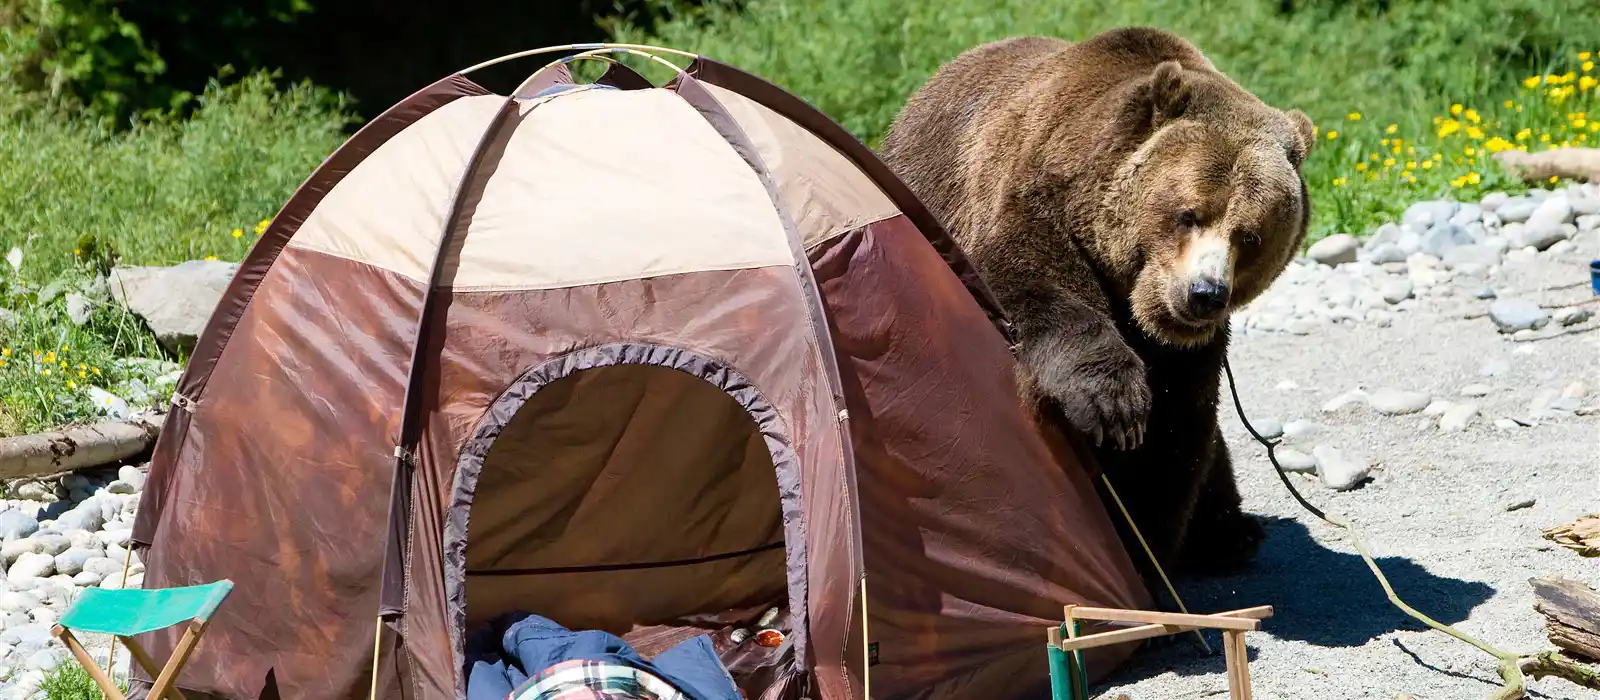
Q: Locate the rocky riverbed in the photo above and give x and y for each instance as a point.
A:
(1437, 382)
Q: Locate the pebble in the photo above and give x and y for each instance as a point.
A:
(1334, 250)
(1300, 430)
(1295, 461)
(32, 565)
(1442, 238)
(1552, 212)
(1561, 247)
(1542, 237)
(1351, 397)
(1287, 385)
(1337, 470)
(1493, 201)
(1437, 407)
(1519, 505)
(1269, 428)
(1476, 390)
(1512, 315)
(1396, 291)
(1590, 222)
(1387, 253)
(35, 491)
(1576, 390)
(132, 475)
(70, 562)
(1484, 292)
(15, 524)
(1393, 402)
(1572, 316)
(1458, 417)
(1516, 209)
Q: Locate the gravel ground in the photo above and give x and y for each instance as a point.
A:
(1437, 510)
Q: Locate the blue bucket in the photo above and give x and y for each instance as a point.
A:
(1594, 276)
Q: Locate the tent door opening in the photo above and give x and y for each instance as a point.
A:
(622, 497)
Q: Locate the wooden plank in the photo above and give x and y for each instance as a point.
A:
(1239, 662)
(1572, 615)
(1225, 621)
(1130, 634)
(148, 662)
(180, 657)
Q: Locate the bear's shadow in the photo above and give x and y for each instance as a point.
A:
(1318, 596)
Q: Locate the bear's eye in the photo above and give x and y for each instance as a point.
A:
(1188, 219)
(1251, 238)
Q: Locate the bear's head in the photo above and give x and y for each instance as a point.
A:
(1205, 203)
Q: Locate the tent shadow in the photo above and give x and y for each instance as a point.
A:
(1319, 596)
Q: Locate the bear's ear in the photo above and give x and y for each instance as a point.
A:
(1167, 93)
(1307, 131)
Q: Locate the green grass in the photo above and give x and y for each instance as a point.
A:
(79, 195)
(858, 61)
(70, 682)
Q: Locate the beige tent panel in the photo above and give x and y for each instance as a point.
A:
(825, 193)
(592, 186)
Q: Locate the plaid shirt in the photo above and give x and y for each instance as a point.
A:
(595, 680)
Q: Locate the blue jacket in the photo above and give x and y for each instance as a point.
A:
(533, 644)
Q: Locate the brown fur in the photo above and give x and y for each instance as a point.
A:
(1095, 185)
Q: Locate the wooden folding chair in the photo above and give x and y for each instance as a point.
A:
(126, 613)
(1069, 679)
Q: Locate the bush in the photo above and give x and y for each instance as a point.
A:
(1399, 64)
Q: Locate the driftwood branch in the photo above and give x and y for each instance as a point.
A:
(1572, 615)
(75, 448)
(1573, 163)
(1581, 535)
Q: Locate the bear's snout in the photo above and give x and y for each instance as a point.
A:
(1208, 297)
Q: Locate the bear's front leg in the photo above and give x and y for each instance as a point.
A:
(1220, 537)
(1081, 365)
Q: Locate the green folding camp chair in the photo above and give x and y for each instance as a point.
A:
(125, 613)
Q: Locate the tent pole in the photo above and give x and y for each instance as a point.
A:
(635, 49)
(377, 645)
(1153, 561)
(866, 645)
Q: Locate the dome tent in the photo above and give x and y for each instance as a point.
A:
(639, 358)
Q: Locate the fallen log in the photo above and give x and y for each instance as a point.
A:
(74, 448)
(1571, 163)
(1572, 615)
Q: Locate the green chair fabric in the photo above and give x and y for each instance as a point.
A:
(127, 613)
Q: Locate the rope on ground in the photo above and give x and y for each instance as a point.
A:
(1513, 668)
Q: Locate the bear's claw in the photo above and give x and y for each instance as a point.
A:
(1104, 404)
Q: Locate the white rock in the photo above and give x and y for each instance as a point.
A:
(19, 602)
(1381, 319)
(104, 566)
(1560, 247)
(1494, 368)
(87, 515)
(1572, 316)
(1476, 390)
(121, 487)
(70, 562)
(1287, 385)
(1458, 417)
(1334, 250)
(85, 579)
(1396, 291)
(1438, 407)
(44, 616)
(1393, 402)
(15, 524)
(175, 302)
(132, 475)
(1351, 397)
(1339, 471)
(1506, 424)
(45, 660)
(1512, 315)
(1301, 430)
(32, 565)
(1576, 390)
(118, 537)
(1269, 428)
(1553, 211)
(1295, 460)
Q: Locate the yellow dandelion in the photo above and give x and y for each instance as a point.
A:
(1385, 142)
(1472, 116)
(1470, 151)
(1531, 81)
(45, 371)
(1583, 55)
(1395, 150)
(261, 226)
(1554, 179)
(1405, 173)
(1353, 116)
(1455, 109)
(95, 371)
(1473, 178)
(1569, 77)
(1411, 180)
(82, 374)
(211, 257)
(1339, 182)
(1579, 123)
(1594, 126)
(1411, 165)
(71, 384)
(1448, 127)
(1361, 167)
(50, 358)
(1372, 176)
(1544, 137)
(82, 366)
(238, 232)
(1388, 162)
(1524, 135)
(63, 364)
(1474, 133)
(1587, 83)
(1497, 144)
(65, 348)
(1333, 135)
(1508, 104)
(5, 352)
(1411, 150)
(77, 251)
(1588, 66)
(1427, 165)
(3, 363)
(1391, 128)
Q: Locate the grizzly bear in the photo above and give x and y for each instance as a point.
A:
(1121, 197)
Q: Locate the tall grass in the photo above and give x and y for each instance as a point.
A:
(78, 195)
(858, 61)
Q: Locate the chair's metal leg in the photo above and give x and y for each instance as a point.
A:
(107, 687)
(149, 664)
(180, 656)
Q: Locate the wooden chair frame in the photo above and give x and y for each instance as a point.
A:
(1065, 643)
(166, 677)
